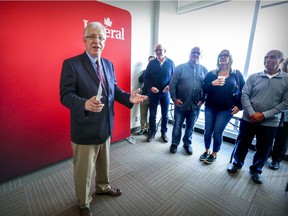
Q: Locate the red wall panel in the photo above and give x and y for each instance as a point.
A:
(35, 39)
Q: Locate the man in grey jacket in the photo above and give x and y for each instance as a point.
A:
(264, 97)
(186, 92)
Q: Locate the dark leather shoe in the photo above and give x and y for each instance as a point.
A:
(274, 165)
(164, 138)
(112, 192)
(232, 169)
(141, 132)
(173, 148)
(256, 177)
(85, 212)
(150, 138)
(188, 149)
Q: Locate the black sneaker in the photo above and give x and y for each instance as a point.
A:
(210, 159)
(274, 165)
(256, 177)
(141, 132)
(204, 156)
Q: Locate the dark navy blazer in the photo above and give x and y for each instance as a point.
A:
(78, 83)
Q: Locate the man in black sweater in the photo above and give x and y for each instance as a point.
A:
(158, 75)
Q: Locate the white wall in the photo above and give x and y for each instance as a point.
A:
(142, 13)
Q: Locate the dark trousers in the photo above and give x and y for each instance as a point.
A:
(280, 143)
(164, 100)
(264, 140)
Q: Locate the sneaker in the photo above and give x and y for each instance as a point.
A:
(274, 165)
(210, 159)
(256, 177)
(141, 132)
(204, 156)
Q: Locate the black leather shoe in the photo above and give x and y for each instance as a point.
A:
(188, 149)
(164, 138)
(256, 177)
(274, 165)
(141, 132)
(85, 212)
(232, 169)
(112, 192)
(173, 148)
(150, 138)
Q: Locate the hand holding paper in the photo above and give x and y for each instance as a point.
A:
(99, 93)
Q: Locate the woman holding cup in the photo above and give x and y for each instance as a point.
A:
(221, 88)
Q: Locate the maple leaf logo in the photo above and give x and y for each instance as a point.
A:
(107, 22)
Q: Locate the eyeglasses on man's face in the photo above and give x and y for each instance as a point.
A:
(224, 55)
(196, 53)
(94, 37)
(159, 50)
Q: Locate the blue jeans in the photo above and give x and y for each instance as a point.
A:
(264, 140)
(154, 100)
(215, 123)
(179, 117)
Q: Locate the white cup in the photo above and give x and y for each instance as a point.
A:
(222, 80)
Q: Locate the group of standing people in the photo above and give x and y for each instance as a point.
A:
(264, 98)
(190, 85)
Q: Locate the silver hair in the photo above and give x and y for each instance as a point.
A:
(94, 25)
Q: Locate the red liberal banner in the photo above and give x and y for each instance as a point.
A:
(35, 39)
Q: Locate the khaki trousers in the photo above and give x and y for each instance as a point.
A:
(85, 159)
(144, 109)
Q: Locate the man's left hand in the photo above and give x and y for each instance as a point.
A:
(136, 98)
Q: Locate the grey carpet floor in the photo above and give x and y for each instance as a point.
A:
(154, 183)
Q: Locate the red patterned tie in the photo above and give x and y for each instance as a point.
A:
(101, 75)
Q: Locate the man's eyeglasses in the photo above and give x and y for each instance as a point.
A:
(196, 53)
(224, 55)
(94, 37)
(158, 50)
